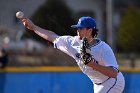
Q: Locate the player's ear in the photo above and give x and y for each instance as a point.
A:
(90, 29)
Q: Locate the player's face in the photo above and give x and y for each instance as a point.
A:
(83, 32)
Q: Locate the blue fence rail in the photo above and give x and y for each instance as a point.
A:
(56, 80)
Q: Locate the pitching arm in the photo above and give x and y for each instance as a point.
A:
(46, 34)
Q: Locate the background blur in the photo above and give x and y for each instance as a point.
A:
(32, 65)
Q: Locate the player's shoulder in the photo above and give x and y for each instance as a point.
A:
(101, 44)
(66, 38)
(105, 47)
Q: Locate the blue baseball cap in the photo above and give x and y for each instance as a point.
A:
(85, 22)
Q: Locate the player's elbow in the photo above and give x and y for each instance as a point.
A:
(113, 74)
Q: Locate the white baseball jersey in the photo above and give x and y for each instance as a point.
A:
(104, 56)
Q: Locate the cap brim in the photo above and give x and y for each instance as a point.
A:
(76, 26)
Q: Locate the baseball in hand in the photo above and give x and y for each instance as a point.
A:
(19, 14)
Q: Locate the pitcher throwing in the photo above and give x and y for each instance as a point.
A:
(94, 57)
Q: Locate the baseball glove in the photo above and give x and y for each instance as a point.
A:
(85, 52)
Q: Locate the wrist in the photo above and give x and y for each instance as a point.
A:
(93, 64)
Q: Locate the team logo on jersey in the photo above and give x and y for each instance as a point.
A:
(78, 55)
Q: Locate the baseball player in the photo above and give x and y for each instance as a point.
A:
(94, 57)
